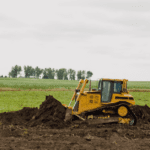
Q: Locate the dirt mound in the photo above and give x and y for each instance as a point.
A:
(20, 117)
(51, 113)
(142, 113)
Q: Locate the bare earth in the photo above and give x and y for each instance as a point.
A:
(102, 138)
(43, 128)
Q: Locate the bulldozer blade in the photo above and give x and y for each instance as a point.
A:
(68, 115)
(102, 121)
(79, 117)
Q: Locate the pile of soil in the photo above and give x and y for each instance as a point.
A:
(142, 113)
(51, 113)
(20, 117)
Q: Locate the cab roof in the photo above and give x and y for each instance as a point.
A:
(107, 79)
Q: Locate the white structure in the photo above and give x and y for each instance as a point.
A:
(21, 75)
(32, 77)
(40, 77)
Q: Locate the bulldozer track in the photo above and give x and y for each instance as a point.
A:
(114, 107)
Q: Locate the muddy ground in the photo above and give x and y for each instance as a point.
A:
(44, 128)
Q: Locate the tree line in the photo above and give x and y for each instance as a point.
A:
(49, 73)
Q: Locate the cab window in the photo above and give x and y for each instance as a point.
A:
(117, 87)
(99, 85)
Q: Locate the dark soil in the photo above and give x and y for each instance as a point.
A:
(44, 128)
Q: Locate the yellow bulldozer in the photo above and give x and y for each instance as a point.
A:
(110, 102)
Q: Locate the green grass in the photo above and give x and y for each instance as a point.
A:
(16, 100)
(141, 98)
(27, 83)
(138, 84)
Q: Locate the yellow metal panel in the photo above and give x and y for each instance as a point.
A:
(124, 120)
(82, 104)
(113, 100)
(89, 102)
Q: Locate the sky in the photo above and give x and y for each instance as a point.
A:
(109, 38)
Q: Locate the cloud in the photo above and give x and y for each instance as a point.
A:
(10, 22)
(115, 5)
(11, 28)
(82, 19)
(106, 33)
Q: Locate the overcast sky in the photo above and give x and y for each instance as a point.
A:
(109, 38)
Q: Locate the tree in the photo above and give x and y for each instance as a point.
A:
(29, 71)
(32, 72)
(71, 74)
(65, 74)
(15, 71)
(51, 73)
(37, 71)
(62, 74)
(1, 76)
(89, 74)
(79, 75)
(45, 74)
(48, 73)
(83, 74)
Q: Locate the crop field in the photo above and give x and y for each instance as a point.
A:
(62, 90)
(24, 84)
(29, 83)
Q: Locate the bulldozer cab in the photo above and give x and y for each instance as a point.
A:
(107, 88)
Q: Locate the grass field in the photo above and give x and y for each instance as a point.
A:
(28, 83)
(39, 83)
(16, 100)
